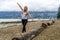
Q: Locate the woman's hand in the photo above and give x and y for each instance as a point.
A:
(17, 3)
(32, 20)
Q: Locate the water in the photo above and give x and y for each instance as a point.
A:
(16, 16)
(35, 14)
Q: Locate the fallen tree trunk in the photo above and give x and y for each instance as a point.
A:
(29, 35)
(33, 33)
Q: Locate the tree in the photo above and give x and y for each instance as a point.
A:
(58, 15)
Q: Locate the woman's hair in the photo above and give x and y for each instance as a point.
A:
(25, 9)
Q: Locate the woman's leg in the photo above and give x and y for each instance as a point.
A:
(25, 25)
(24, 22)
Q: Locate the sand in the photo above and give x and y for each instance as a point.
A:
(8, 33)
(51, 33)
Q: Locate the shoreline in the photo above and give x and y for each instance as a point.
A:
(14, 22)
(19, 20)
(8, 25)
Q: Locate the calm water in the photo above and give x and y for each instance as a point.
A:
(17, 15)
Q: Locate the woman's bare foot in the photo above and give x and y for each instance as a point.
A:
(24, 33)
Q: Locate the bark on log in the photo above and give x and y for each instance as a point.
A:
(44, 25)
(50, 22)
(29, 35)
(33, 33)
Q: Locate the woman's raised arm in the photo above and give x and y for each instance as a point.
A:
(20, 6)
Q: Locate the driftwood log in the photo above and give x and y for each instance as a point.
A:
(33, 33)
(50, 22)
(44, 25)
(29, 35)
(53, 22)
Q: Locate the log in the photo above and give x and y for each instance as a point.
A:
(48, 24)
(29, 35)
(44, 25)
(33, 33)
(53, 21)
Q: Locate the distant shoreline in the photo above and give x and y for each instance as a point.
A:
(34, 14)
(19, 20)
(14, 22)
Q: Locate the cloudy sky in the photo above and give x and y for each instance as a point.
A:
(33, 5)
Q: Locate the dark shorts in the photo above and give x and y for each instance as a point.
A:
(24, 20)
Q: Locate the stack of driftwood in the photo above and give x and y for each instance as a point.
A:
(35, 32)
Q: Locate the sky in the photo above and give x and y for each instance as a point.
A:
(33, 5)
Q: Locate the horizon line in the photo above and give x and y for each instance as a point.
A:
(20, 11)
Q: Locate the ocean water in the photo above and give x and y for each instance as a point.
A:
(35, 14)
(12, 16)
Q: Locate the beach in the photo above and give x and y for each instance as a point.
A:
(51, 33)
(42, 17)
(7, 33)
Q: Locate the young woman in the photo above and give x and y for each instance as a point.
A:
(25, 15)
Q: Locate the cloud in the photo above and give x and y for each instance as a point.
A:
(8, 5)
(39, 5)
(59, 1)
